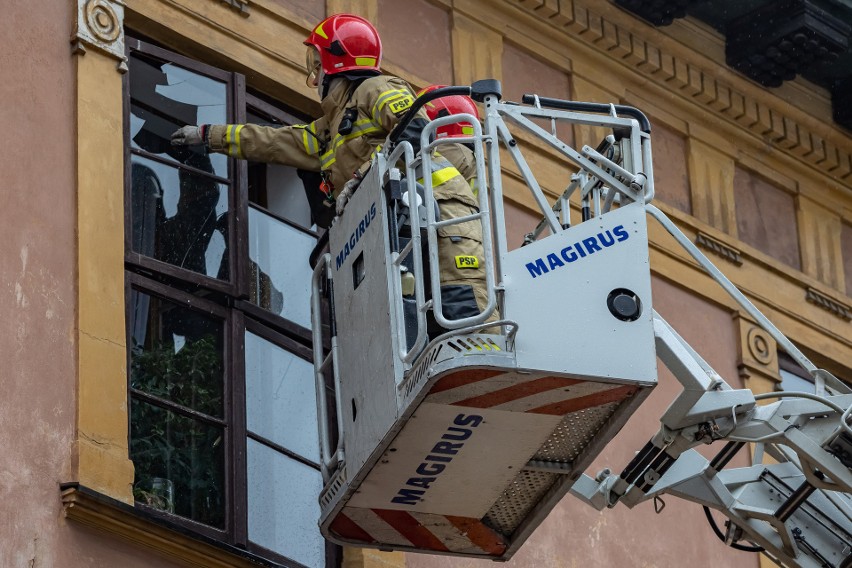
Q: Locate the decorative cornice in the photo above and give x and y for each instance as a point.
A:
(770, 122)
(716, 246)
(100, 25)
(657, 12)
(837, 308)
(241, 6)
(781, 39)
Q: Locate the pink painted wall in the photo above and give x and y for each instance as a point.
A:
(575, 535)
(38, 297)
(671, 179)
(846, 248)
(416, 36)
(766, 217)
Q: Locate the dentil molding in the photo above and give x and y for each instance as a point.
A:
(771, 122)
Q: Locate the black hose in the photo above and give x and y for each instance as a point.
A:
(720, 461)
(418, 104)
(721, 536)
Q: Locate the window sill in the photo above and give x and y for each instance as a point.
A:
(119, 519)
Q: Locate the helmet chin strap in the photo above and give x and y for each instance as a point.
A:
(324, 84)
(326, 81)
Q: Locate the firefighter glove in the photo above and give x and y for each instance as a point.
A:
(348, 189)
(189, 136)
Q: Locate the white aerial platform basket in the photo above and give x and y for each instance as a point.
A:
(462, 444)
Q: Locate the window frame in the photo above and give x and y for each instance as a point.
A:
(236, 181)
(225, 300)
(165, 292)
(275, 321)
(332, 552)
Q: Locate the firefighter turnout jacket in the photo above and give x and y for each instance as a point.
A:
(357, 118)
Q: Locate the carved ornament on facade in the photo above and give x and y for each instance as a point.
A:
(770, 122)
(241, 6)
(760, 345)
(837, 308)
(719, 248)
(100, 25)
(758, 351)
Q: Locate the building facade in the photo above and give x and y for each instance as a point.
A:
(155, 355)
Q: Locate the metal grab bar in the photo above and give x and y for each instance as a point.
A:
(405, 151)
(329, 459)
(600, 108)
(483, 216)
(512, 331)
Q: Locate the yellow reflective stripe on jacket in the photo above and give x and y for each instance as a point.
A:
(386, 98)
(327, 160)
(312, 145)
(360, 128)
(306, 139)
(442, 170)
(309, 138)
(442, 176)
(232, 140)
(239, 153)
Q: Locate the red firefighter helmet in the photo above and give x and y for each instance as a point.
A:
(341, 43)
(445, 106)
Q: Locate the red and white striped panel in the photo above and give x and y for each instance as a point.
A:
(516, 392)
(423, 531)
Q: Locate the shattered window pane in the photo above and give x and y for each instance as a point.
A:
(164, 97)
(180, 217)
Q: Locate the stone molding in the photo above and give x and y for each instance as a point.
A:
(757, 359)
(770, 122)
(839, 309)
(719, 248)
(820, 228)
(87, 507)
(241, 6)
(759, 344)
(100, 25)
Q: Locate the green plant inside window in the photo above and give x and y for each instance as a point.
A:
(179, 457)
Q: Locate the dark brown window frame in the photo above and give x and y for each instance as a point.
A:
(227, 301)
(236, 181)
(170, 294)
(275, 321)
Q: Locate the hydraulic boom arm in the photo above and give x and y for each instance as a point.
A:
(797, 509)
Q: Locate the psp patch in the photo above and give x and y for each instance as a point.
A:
(463, 261)
(401, 104)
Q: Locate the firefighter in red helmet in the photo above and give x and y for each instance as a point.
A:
(460, 155)
(360, 108)
(446, 106)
